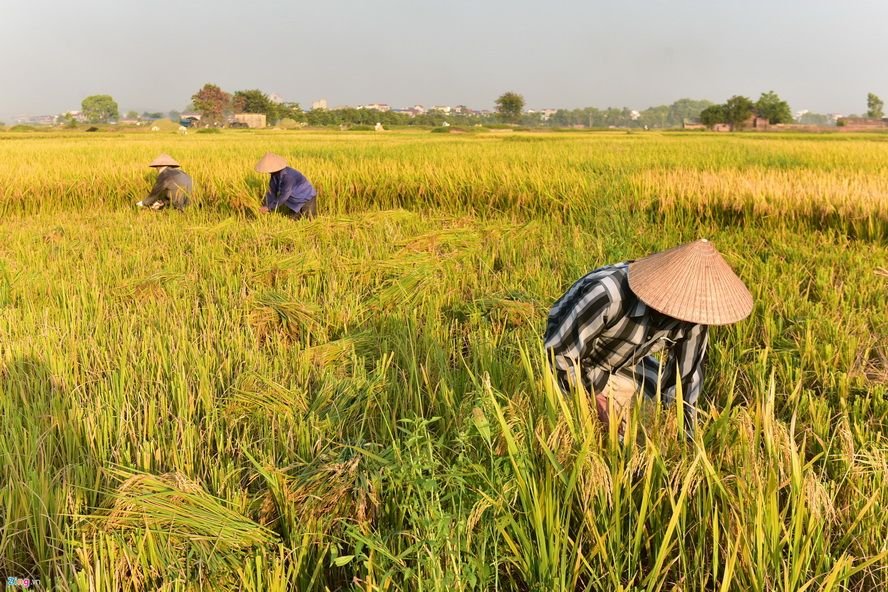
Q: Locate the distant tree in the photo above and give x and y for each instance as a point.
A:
(252, 101)
(174, 115)
(712, 115)
(816, 119)
(67, 120)
(737, 109)
(875, 107)
(152, 115)
(100, 108)
(212, 103)
(509, 106)
(290, 111)
(131, 115)
(772, 107)
(686, 110)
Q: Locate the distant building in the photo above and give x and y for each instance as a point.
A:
(692, 125)
(754, 122)
(77, 116)
(276, 98)
(319, 105)
(634, 115)
(442, 109)
(544, 114)
(36, 119)
(251, 120)
(381, 107)
(418, 110)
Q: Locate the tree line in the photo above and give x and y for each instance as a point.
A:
(216, 107)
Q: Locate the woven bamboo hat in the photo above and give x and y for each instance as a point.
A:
(270, 163)
(693, 283)
(164, 160)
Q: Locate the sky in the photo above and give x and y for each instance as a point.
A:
(821, 55)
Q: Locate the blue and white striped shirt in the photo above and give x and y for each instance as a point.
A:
(600, 327)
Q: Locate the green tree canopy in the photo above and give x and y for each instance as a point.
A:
(290, 111)
(875, 107)
(712, 115)
(737, 109)
(254, 101)
(509, 105)
(772, 107)
(686, 110)
(100, 108)
(212, 103)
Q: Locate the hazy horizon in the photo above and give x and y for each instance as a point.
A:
(561, 54)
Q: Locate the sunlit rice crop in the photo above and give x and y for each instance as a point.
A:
(215, 400)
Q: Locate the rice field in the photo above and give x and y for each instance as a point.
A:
(218, 400)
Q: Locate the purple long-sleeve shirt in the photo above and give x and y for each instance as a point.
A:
(288, 187)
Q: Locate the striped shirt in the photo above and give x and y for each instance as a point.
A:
(600, 327)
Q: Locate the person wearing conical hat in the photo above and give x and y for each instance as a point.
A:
(172, 186)
(289, 192)
(601, 333)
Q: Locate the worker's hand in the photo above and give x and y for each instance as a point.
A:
(264, 210)
(601, 405)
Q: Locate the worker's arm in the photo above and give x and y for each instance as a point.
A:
(573, 328)
(686, 359)
(157, 193)
(279, 191)
(270, 199)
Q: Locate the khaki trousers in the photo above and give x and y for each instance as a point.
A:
(615, 398)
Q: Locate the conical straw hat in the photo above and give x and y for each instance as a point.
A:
(271, 163)
(693, 283)
(164, 160)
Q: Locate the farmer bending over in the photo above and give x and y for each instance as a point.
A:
(172, 185)
(289, 192)
(604, 327)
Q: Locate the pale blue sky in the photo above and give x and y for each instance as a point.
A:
(819, 55)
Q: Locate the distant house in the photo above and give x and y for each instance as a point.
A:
(251, 120)
(689, 125)
(37, 119)
(381, 107)
(319, 105)
(754, 122)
